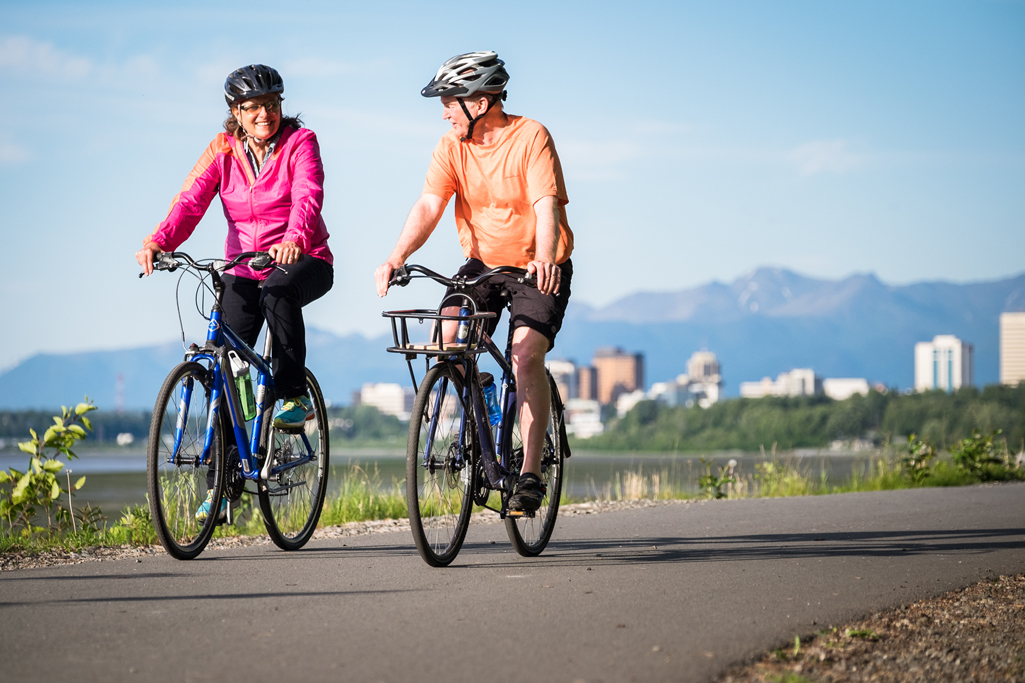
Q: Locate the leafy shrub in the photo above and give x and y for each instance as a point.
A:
(26, 496)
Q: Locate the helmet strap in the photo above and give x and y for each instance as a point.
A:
(473, 121)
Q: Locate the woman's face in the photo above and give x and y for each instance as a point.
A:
(260, 116)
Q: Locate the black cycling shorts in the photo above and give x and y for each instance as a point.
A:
(530, 308)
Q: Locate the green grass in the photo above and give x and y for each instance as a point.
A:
(362, 496)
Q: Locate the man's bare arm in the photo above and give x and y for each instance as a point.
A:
(549, 275)
(420, 223)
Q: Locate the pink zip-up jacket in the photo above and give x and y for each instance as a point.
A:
(283, 203)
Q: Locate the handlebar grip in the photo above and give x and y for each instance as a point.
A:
(400, 277)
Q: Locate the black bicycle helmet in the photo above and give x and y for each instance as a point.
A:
(468, 74)
(252, 81)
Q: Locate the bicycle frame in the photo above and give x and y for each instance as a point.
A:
(219, 340)
(495, 458)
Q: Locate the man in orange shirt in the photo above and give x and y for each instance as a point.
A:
(510, 211)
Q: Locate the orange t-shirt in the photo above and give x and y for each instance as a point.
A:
(496, 186)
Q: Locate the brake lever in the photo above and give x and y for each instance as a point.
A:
(400, 278)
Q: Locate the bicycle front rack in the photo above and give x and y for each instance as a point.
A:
(436, 346)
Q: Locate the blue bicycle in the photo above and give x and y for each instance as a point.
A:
(200, 448)
(457, 453)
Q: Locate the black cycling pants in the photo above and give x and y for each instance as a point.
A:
(279, 301)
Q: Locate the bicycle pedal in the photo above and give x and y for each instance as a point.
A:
(528, 514)
(290, 430)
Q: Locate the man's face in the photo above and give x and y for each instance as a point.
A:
(453, 113)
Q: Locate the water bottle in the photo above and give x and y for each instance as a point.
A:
(244, 384)
(491, 398)
(463, 331)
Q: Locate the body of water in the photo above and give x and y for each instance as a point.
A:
(117, 478)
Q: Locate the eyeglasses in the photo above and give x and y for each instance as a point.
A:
(272, 107)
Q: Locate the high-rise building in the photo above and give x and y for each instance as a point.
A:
(944, 363)
(618, 372)
(587, 383)
(704, 378)
(1012, 348)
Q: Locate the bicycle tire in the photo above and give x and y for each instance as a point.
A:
(291, 501)
(439, 487)
(176, 489)
(530, 535)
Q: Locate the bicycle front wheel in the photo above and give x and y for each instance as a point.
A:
(530, 535)
(292, 495)
(182, 467)
(439, 467)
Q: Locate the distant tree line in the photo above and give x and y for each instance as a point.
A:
(815, 421)
(15, 424)
(348, 424)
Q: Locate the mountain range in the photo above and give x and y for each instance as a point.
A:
(763, 323)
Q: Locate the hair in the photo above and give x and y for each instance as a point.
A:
(234, 129)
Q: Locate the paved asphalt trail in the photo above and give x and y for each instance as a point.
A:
(675, 592)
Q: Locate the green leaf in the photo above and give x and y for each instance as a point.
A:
(88, 424)
(57, 421)
(20, 489)
(4, 477)
(83, 408)
(37, 465)
(53, 466)
(55, 491)
(33, 433)
(80, 483)
(50, 433)
(28, 447)
(77, 431)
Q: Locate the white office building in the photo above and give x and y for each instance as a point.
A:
(842, 388)
(1012, 348)
(390, 399)
(944, 363)
(583, 418)
(797, 382)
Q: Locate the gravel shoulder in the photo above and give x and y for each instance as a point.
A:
(973, 634)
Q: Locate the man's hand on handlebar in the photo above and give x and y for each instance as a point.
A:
(549, 276)
(146, 255)
(383, 275)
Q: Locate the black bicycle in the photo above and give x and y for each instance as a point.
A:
(456, 456)
(198, 441)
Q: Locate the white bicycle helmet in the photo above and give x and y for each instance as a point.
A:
(473, 73)
(467, 74)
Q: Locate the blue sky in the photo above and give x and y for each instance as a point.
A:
(699, 141)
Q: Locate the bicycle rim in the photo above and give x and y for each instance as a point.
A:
(439, 472)
(291, 500)
(177, 482)
(530, 535)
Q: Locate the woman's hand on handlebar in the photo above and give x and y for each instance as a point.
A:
(549, 276)
(286, 253)
(146, 255)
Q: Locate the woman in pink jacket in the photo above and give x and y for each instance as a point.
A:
(266, 168)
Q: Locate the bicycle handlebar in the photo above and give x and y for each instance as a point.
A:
(405, 274)
(172, 260)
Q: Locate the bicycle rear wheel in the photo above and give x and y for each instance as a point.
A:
(292, 497)
(177, 480)
(439, 467)
(530, 535)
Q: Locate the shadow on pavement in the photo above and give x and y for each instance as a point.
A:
(742, 548)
